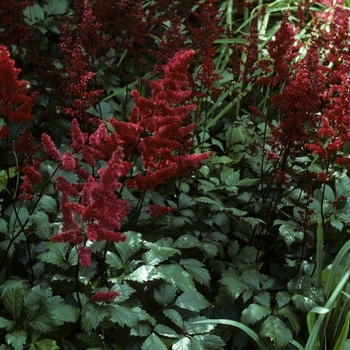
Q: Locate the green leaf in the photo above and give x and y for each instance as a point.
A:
(233, 249)
(288, 231)
(4, 178)
(47, 203)
(157, 254)
(13, 298)
(254, 313)
(303, 303)
(3, 226)
(56, 7)
(113, 260)
(128, 248)
(246, 255)
(185, 201)
(277, 331)
(46, 344)
(144, 273)
(19, 221)
(177, 276)
(174, 316)
(263, 298)
(56, 254)
(193, 327)
(208, 342)
(61, 311)
(282, 298)
(92, 315)
(141, 329)
(197, 270)
(241, 326)
(165, 331)
(123, 316)
(251, 278)
(235, 287)
(17, 339)
(342, 185)
(292, 317)
(153, 343)
(125, 291)
(43, 226)
(186, 241)
(192, 300)
(183, 343)
(165, 294)
(329, 194)
(177, 221)
(45, 312)
(7, 324)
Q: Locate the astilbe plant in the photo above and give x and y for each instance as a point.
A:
(114, 234)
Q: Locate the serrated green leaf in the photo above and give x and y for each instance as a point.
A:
(144, 273)
(17, 339)
(123, 315)
(235, 287)
(183, 343)
(342, 185)
(158, 254)
(277, 331)
(303, 303)
(3, 226)
(254, 313)
(282, 298)
(165, 294)
(43, 226)
(185, 201)
(251, 278)
(174, 316)
(192, 300)
(233, 249)
(165, 331)
(12, 297)
(177, 221)
(288, 231)
(45, 312)
(46, 344)
(92, 315)
(208, 342)
(56, 7)
(246, 255)
(329, 194)
(153, 343)
(210, 250)
(61, 311)
(197, 270)
(7, 324)
(177, 276)
(125, 291)
(209, 201)
(141, 329)
(186, 241)
(253, 221)
(128, 248)
(47, 203)
(263, 298)
(292, 317)
(56, 254)
(19, 220)
(113, 260)
(191, 327)
(230, 178)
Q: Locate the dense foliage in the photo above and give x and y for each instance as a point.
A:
(173, 175)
